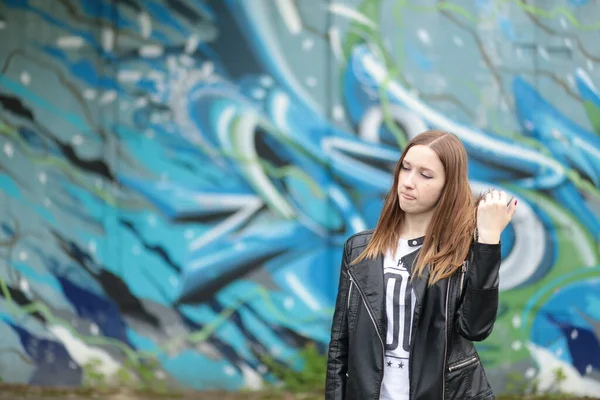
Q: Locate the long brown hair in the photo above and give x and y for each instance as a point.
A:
(451, 230)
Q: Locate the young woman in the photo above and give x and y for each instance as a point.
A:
(420, 288)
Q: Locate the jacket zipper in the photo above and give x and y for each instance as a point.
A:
(362, 296)
(446, 337)
(463, 364)
(350, 292)
(462, 275)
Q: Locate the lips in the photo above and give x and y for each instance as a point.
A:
(407, 197)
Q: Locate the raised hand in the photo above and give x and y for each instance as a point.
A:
(493, 215)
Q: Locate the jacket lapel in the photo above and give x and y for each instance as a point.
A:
(419, 284)
(368, 275)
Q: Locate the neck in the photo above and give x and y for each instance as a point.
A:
(414, 226)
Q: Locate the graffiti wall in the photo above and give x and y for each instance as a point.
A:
(179, 176)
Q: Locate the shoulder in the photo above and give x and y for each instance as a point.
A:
(359, 239)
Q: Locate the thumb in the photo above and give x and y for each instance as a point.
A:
(512, 208)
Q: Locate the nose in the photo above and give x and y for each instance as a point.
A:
(408, 180)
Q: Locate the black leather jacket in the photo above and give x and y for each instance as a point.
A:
(448, 317)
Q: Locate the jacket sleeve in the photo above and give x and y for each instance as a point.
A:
(337, 357)
(479, 306)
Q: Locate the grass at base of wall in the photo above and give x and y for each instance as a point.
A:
(10, 391)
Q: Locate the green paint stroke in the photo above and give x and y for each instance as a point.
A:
(530, 9)
(359, 34)
(593, 113)
(136, 357)
(568, 267)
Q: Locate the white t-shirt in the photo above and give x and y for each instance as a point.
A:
(400, 306)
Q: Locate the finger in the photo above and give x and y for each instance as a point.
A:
(502, 197)
(488, 197)
(495, 194)
(512, 208)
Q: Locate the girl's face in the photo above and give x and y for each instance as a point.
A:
(421, 180)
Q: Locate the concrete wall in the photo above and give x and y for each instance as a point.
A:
(178, 176)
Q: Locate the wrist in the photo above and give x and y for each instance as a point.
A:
(488, 237)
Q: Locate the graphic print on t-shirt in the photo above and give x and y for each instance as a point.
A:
(400, 305)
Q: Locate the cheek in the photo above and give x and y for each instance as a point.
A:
(434, 191)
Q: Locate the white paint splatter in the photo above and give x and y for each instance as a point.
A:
(530, 373)
(543, 53)
(229, 370)
(574, 334)
(516, 321)
(568, 43)
(338, 112)
(82, 353)
(186, 60)
(307, 44)
(70, 42)
(23, 255)
(335, 40)
(77, 140)
(8, 149)
(574, 383)
(141, 102)
(92, 246)
(288, 303)
(24, 285)
(108, 97)
(311, 81)
(128, 75)
(191, 44)
(424, 37)
(258, 93)
(458, 41)
(145, 25)
(571, 80)
(290, 15)
(151, 51)
(25, 78)
(108, 39)
(89, 94)
(276, 350)
(529, 125)
(266, 81)
(208, 68)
